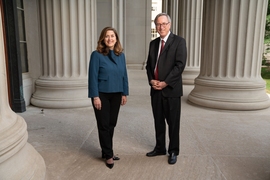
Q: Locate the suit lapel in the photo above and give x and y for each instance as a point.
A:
(111, 56)
(156, 46)
(168, 42)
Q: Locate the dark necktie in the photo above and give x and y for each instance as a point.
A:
(156, 70)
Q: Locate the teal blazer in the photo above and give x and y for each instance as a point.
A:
(107, 74)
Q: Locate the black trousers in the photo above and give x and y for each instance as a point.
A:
(106, 120)
(168, 108)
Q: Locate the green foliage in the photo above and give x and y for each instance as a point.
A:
(267, 37)
(267, 85)
(265, 73)
(267, 30)
(266, 76)
(267, 26)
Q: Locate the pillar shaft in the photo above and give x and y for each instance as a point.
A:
(18, 159)
(190, 27)
(232, 40)
(186, 18)
(67, 28)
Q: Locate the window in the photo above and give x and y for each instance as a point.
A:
(156, 9)
(22, 38)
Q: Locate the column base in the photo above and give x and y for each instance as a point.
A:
(61, 93)
(18, 159)
(189, 75)
(26, 164)
(230, 95)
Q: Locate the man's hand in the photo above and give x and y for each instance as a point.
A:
(158, 85)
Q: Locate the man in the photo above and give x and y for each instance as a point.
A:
(165, 64)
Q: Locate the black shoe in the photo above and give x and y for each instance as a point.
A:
(155, 153)
(172, 159)
(115, 158)
(109, 165)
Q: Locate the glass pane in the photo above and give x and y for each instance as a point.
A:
(23, 49)
(20, 3)
(21, 25)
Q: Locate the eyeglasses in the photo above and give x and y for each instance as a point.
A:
(162, 25)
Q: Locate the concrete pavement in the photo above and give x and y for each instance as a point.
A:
(215, 144)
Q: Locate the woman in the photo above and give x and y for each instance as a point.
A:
(107, 88)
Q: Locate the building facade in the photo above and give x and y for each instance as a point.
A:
(224, 42)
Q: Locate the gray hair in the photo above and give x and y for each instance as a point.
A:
(162, 14)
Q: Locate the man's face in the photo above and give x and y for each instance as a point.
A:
(163, 26)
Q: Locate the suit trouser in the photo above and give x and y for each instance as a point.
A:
(106, 120)
(168, 108)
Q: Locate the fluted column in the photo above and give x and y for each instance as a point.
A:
(190, 27)
(118, 19)
(171, 7)
(68, 33)
(18, 159)
(232, 40)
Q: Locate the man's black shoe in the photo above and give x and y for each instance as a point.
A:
(155, 153)
(172, 159)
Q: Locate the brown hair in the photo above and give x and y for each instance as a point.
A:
(102, 48)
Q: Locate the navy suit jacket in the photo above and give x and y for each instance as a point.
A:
(171, 64)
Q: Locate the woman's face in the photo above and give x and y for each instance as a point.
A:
(110, 39)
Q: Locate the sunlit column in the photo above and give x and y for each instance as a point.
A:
(18, 159)
(190, 27)
(68, 37)
(232, 40)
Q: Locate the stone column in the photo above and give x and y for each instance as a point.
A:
(171, 8)
(190, 27)
(118, 19)
(18, 159)
(232, 40)
(137, 32)
(68, 33)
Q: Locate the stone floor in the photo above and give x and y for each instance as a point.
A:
(215, 144)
